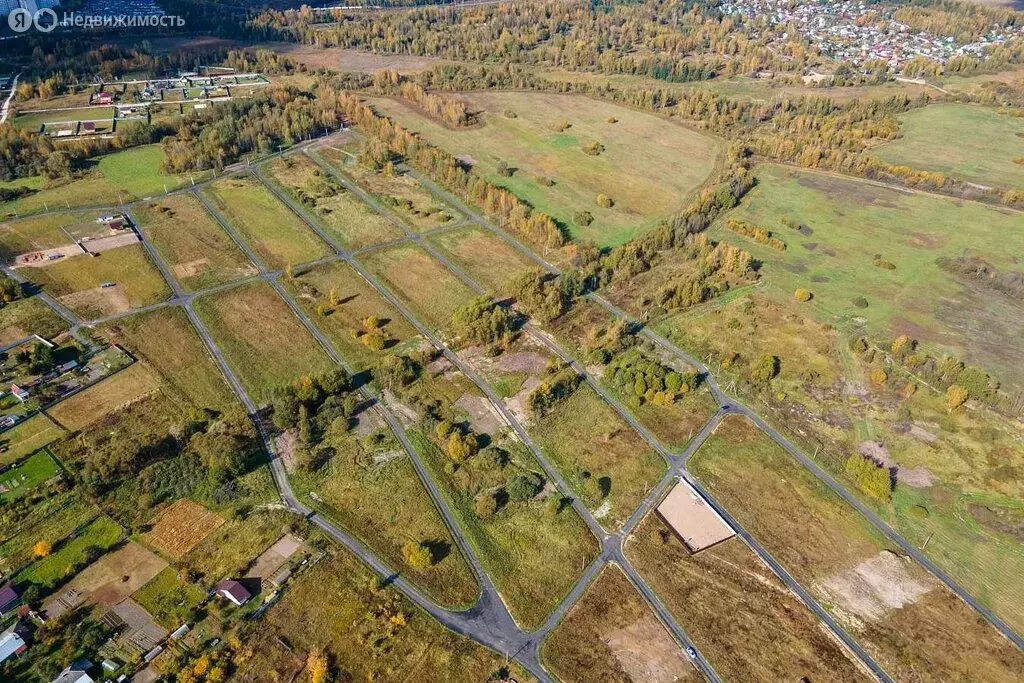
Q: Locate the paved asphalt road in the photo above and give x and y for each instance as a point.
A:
(489, 621)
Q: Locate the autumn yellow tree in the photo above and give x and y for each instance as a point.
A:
(956, 395)
(316, 663)
(42, 548)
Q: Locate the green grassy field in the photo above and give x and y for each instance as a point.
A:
(26, 475)
(169, 600)
(168, 344)
(198, 251)
(26, 437)
(932, 635)
(533, 555)
(336, 605)
(850, 221)
(262, 339)
(32, 120)
(29, 316)
(347, 324)
(414, 204)
(51, 520)
(649, 166)
(603, 634)
(740, 616)
(431, 291)
(77, 281)
(46, 232)
(375, 493)
(607, 463)
(112, 179)
(102, 533)
(965, 141)
(230, 549)
(486, 258)
(278, 235)
(339, 212)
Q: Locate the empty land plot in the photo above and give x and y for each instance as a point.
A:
(489, 260)
(339, 211)
(231, 547)
(198, 251)
(108, 396)
(422, 282)
(20, 479)
(278, 235)
(612, 635)
(117, 574)
(168, 599)
(181, 527)
(33, 120)
(740, 616)
(965, 141)
(605, 460)
(137, 171)
(261, 338)
(933, 243)
(533, 556)
(50, 520)
(101, 533)
(377, 495)
(132, 280)
(360, 323)
(419, 208)
(650, 167)
(354, 61)
(29, 316)
(333, 605)
(168, 344)
(902, 615)
(46, 232)
(26, 437)
(92, 189)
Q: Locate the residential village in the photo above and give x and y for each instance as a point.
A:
(860, 32)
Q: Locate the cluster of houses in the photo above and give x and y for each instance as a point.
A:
(859, 31)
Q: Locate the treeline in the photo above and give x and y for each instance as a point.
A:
(217, 136)
(446, 109)
(503, 206)
(759, 234)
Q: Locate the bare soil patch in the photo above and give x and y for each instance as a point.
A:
(483, 416)
(286, 443)
(106, 300)
(181, 527)
(876, 586)
(112, 578)
(646, 653)
(349, 60)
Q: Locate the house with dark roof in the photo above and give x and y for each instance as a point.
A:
(76, 673)
(233, 591)
(9, 599)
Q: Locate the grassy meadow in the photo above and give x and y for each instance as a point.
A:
(275, 233)
(489, 260)
(650, 167)
(201, 256)
(922, 630)
(266, 345)
(964, 141)
(846, 223)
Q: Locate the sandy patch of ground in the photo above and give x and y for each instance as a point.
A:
(603, 510)
(191, 268)
(439, 366)
(530, 362)
(107, 300)
(519, 404)
(916, 477)
(919, 432)
(286, 444)
(271, 559)
(868, 591)
(647, 653)
(483, 416)
(109, 242)
(367, 422)
(386, 457)
(877, 451)
(406, 415)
